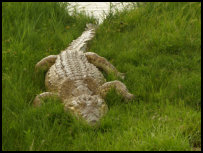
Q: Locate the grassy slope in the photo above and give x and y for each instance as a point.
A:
(157, 46)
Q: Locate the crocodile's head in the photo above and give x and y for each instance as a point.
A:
(90, 107)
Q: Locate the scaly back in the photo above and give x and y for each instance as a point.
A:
(80, 43)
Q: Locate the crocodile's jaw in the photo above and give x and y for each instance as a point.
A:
(89, 107)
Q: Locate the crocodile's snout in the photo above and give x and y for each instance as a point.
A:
(90, 107)
(93, 122)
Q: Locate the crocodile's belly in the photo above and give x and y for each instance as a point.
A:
(74, 66)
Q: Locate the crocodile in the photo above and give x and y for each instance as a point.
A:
(74, 76)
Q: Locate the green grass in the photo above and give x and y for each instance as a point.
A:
(158, 46)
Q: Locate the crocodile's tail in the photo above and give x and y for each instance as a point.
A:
(80, 44)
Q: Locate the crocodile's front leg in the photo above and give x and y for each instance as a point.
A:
(102, 63)
(120, 88)
(41, 97)
(45, 63)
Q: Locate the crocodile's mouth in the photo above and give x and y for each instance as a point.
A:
(90, 107)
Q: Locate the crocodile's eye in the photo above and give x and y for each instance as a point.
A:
(81, 101)
(75, 103)
(82, 98)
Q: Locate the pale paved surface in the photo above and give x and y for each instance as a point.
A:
(97, 9)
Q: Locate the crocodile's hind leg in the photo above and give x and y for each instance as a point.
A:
(120, 88)
(41, 97)
(45, 63)
(102, 63)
